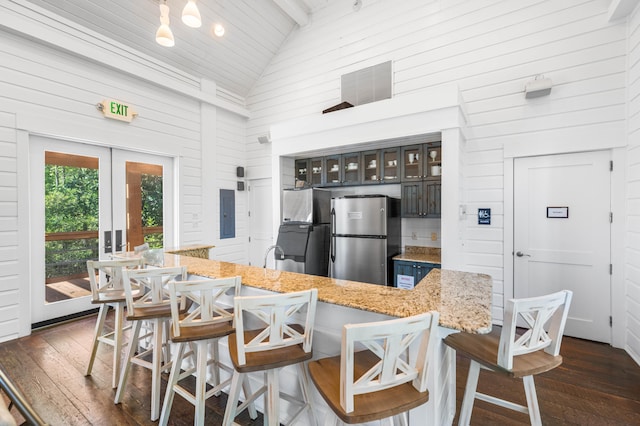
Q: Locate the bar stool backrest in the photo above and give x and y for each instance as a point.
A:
(105, 277)
(543, 319)
(388, 340)
(141, 248)
(154, 281)
(205, 293)
(275, 313)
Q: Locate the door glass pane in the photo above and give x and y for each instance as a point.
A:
(71, 224)
(144, 205)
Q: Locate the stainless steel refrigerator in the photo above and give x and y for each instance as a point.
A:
(365, 235)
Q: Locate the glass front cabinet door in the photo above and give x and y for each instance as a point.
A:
(302, 173)
(317, 168)
(371, 167)
(390, 165)
(351, 164)
(412, 163)
(333, 170)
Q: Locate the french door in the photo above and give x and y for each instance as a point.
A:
(88, 202)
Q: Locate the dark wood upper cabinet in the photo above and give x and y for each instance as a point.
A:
(411, 167)
(421, 180)
(371, 167)
(333, 170)
(390, 167)
(418, 167)
(352, 164)
(317, 171)
(302, 172)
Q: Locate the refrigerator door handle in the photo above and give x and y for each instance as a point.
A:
(333, 235)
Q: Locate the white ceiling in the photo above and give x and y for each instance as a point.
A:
(255, 29)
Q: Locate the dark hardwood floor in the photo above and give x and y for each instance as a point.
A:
(596, 385)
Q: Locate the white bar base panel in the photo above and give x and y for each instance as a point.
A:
(439, 410)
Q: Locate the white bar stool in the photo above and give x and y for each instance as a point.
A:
(532, 351)
(379, 382)
(105, 278)
(153, 308)
(200, 329)
(275, 344)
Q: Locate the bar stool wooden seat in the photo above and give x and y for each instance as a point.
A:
(153, 308)
(517, 353)
(200, 330)
(379, 382)
(269, 346)
(105, 278)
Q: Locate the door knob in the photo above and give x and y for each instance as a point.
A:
(520, 254)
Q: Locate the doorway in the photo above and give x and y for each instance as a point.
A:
(87, 203)
(260, 221)
(562, 235)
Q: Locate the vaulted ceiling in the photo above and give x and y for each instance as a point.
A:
(255, 30)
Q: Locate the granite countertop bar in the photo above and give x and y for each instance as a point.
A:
(194, 250)
(420, 254)
(463, 299)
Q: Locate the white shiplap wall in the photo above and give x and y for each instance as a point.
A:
(490, 48)
(48, 91)
(9, 233)
(632, 243)
(231, 154)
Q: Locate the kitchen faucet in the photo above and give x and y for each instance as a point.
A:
(276, 247)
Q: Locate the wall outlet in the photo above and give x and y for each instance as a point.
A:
(414, 235)
(434, 236)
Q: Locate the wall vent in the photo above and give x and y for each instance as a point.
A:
(367, 85)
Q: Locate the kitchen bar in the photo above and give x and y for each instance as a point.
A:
(463, 300)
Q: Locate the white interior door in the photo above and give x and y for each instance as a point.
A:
(81, 204)
(562, 234)
(260, 221)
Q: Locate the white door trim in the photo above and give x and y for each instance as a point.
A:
(24, 229)
(618, 189)
(257, 238)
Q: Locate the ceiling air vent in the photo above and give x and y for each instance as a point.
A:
(367, 85)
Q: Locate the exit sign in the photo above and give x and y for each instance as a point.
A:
(117, 110)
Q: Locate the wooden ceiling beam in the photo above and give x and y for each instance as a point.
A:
(619, 9)
(293, 9)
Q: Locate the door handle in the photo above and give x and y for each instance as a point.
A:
(107, 241)
(521, 254)
(333, 235)
(118, 240)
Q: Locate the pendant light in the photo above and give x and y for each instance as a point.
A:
(217, 29)
(164, 36)
(191, 15)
